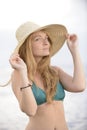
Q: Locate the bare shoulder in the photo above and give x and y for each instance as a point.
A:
(56, 69)
(60, 72)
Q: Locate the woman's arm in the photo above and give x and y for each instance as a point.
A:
(20, 79)
(76, 83)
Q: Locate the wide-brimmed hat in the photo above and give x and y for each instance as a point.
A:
(56, 32)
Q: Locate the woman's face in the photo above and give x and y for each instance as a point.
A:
(40, 44)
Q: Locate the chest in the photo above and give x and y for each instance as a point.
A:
(38, 81)
(40, 94)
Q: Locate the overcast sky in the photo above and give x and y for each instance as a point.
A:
(68, 12)
(71, 13)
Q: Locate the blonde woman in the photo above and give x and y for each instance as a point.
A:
(38, 86)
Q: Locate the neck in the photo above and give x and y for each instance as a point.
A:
(38, 59)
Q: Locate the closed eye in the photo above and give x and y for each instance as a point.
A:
(37, 38)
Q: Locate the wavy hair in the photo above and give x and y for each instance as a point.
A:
(49, 76)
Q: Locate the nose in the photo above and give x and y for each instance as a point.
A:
(45, 41)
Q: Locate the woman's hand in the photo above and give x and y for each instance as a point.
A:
(72, 42)
(17, 63)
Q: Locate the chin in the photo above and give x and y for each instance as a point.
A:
(46, 54)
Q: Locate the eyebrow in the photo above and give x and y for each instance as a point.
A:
(38, 35)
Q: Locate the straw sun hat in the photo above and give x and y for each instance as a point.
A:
(56, 32)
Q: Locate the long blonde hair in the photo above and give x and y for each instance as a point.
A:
(49, 76)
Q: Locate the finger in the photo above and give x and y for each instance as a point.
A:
(13, 56)
(73, 38)
(67, 35)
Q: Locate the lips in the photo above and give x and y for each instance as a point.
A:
(46, 49)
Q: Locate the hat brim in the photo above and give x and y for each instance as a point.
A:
(57, 34)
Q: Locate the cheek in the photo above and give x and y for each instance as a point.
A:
(36, 49)
(36, 52)
(35, 46)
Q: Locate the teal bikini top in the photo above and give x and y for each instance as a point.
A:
(40, 94)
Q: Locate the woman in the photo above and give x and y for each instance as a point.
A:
(38, 86)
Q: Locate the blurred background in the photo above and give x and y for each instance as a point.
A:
(72, 14)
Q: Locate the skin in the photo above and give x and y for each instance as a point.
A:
(46, 116)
